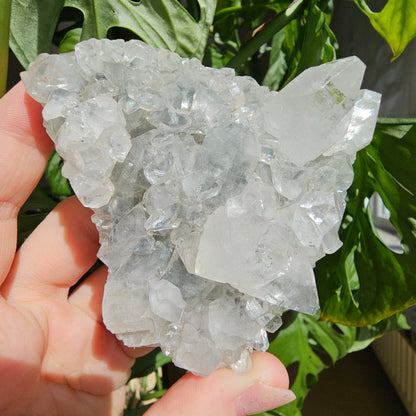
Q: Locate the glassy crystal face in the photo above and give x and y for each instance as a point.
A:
(213, 196)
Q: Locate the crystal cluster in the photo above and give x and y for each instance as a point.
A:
(213, 196)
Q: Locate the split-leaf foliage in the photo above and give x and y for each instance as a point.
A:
(396, 22)
(364, 285)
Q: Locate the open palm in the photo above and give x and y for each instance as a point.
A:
(56, 356)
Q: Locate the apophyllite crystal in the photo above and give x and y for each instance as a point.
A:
(213, 196)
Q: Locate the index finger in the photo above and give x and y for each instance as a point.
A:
(24, 151)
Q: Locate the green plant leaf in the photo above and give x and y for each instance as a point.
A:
(278, 22)
(33, 211)
(236, 24)
(70, 39)
(246, 15)
(270, 413)
(161, 23)
(5, 11)
(149, 363)
(277, 63)
(365, 282)
(312, 346)
(137, 412)
(396, 22)
(232, 8)
(367, 334)
(316, 36)
(59, 185)
(32, 26)
(213, 57)
(310, 41)
(305, 342)
(224, 24)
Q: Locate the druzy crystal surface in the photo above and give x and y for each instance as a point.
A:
(213, 196)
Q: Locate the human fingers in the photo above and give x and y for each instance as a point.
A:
(55, 256)
(225, 393)
(81, 353)
(25, 148)
(88, 296)
(84, 404)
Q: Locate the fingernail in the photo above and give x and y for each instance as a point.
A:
(260, 398)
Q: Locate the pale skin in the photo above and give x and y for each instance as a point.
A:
(56, 356)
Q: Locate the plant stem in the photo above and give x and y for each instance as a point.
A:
(159, 383)
(4, 43)
(154, 395)
(263, 35)
(233, 10)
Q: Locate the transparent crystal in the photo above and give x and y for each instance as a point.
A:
(213, 196)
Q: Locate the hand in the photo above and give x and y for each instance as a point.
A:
(56, 356)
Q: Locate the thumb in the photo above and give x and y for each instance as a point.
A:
(225, 393)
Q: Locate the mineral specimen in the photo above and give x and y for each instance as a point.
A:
(213, 196)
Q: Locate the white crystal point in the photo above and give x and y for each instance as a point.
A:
(213, 196)
(314, 110)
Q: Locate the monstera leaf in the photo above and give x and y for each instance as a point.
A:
(396, 22)
(32, 26)
(293, 345)
(365, 282)
(311, 345)
(161, 23)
